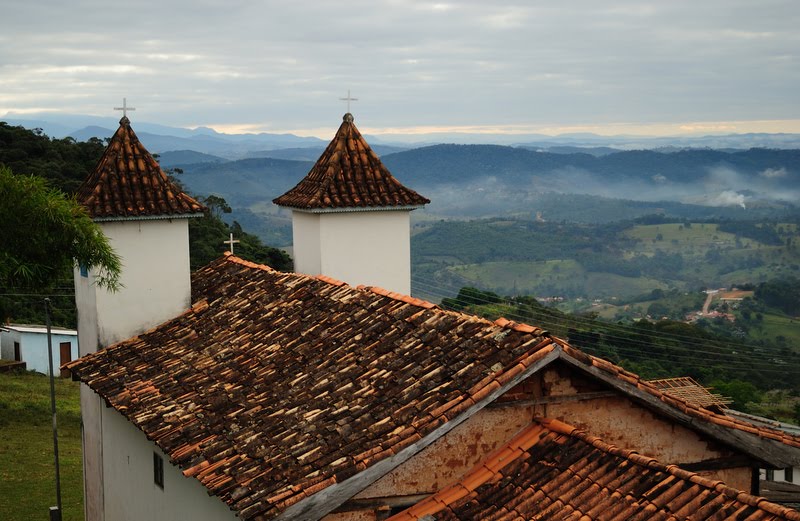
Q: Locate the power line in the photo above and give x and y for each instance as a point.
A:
(741, 362)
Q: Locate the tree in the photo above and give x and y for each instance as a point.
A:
(43, 233)
(216, 205)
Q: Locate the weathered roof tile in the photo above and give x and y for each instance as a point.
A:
(552, 471)
(349, 174)
(128, 183)
(302, 368)
(275, 383)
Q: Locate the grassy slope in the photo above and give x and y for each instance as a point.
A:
(27, 482)
(774, 324)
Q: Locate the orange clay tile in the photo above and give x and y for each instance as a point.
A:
(128, 183)
(540, 484)
(312, 374)
(349, 174)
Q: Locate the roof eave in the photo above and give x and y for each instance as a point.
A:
(351, 209)
(160, 217)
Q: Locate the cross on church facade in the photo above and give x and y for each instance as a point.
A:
(348, 99)
(124, 108)
(231, 241)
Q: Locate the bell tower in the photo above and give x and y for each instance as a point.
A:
(351, 217)
(145, 217)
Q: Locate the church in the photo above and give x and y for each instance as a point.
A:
(239, 391)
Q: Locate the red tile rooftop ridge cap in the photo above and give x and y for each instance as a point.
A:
(490, 469)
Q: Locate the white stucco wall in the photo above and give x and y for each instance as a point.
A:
(33, 348)
(155, 276)
(130, 492)
(305, 243)
(156, 288)
(371, 248)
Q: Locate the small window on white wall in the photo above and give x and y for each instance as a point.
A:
(158, 470)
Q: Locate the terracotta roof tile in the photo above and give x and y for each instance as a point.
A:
(271, 378)
(128, 183)
(349, 174)
(566, 474)
(274, 377)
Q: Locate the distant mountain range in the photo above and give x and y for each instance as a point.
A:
(160, 139)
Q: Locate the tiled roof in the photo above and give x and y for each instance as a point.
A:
(128, 183)
(551, 471)
(349, 174)
(635, 383)
(276, 385)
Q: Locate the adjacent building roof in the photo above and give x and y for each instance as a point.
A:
(349, 175)
(276, 386)
(128, 183)
(552, 471)
(33, 328)
(687, 388)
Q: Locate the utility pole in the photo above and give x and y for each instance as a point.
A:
(55, 512)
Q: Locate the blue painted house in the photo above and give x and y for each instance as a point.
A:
(28, 343)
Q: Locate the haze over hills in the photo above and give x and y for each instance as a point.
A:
(479, 181)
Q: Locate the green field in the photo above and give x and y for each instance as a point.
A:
(774, 325)
(552, 277)
(520, 277)
(27, 482)
(675, 237)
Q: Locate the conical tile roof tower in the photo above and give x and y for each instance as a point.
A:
(128, 183)
(350, 216)
(349, 175)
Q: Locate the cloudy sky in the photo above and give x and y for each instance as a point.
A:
(639, 66)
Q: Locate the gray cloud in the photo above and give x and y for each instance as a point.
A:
(282, 65)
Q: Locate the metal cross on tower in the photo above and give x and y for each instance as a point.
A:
(124, 108)
(348, 99)
(231, 241)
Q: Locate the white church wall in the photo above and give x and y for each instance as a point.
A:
(131, 493)
(156, 287)
(371, 248)
(306, 243)
(155, 277)
(91, 404)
